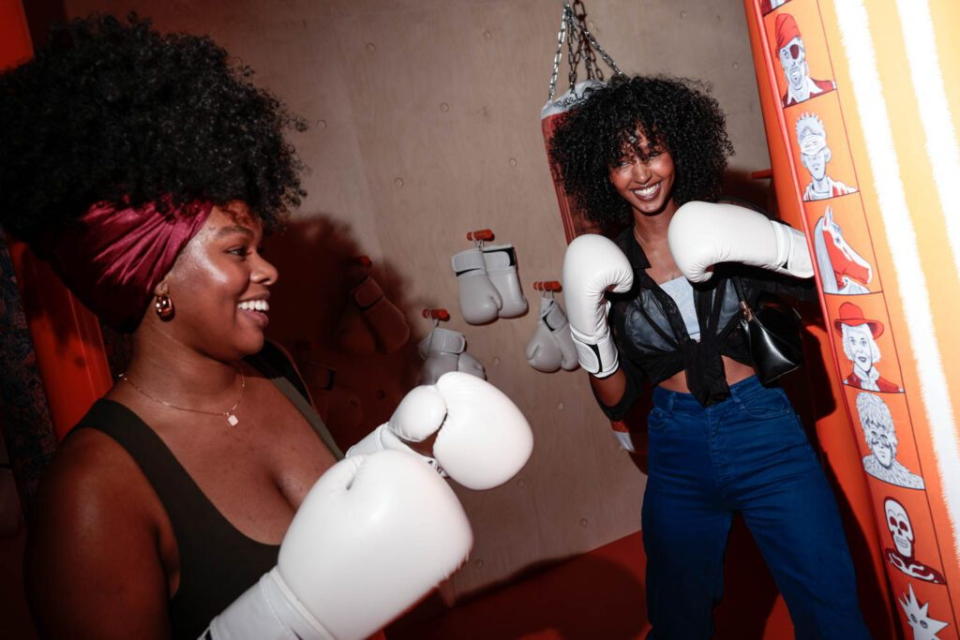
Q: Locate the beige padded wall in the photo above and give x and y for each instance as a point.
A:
(424, 122)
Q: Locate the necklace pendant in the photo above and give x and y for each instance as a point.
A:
(232, 420)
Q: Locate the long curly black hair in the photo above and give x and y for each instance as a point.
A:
(113, 111)
(674, 114)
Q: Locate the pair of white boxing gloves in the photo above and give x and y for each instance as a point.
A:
(700, 235)
(381, 528)
(489, 286)
(443, 351)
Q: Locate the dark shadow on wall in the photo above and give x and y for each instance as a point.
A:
(357, 362)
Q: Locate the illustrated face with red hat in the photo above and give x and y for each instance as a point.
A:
(859, 338)
(792, 53)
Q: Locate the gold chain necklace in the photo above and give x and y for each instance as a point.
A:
(229, 414)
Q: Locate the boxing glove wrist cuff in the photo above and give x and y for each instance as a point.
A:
(597, 355)
(793, 256)
(268, 609)
(383, 438)
(441, 340)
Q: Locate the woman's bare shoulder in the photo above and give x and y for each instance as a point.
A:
(93, 565)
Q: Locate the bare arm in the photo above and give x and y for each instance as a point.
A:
(93, 566)
(610, 390)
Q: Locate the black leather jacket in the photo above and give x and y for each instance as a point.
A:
(654, 344)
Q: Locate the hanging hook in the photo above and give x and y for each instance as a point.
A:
(480, 236)
(436, 315)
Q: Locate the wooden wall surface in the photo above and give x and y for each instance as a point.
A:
(424, 122)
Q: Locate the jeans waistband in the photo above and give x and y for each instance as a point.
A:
(686, 402)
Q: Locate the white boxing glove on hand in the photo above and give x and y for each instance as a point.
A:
(592, 266)
(374, 535)
(482, 439)
(702, 234)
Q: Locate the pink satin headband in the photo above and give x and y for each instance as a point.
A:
(113, 258)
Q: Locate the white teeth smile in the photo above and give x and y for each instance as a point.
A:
(646, 192)
(254, 305)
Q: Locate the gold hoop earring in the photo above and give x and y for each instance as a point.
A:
(164, 307)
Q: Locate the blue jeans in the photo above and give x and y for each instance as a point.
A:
(747, 454)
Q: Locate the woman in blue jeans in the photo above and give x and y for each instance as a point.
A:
(720, 442)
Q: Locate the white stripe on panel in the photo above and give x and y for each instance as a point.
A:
(858, 47)
(939, 132)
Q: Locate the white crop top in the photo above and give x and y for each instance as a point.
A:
(681, 291)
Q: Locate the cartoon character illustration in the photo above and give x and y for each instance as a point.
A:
(793, 60)
(859, 337)
(898, 523)
(924, 627)
(766, 6)
(814, 155)
(844, 271)
(881, 436)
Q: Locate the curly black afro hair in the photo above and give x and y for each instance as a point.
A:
(113, 111)
(674, 114)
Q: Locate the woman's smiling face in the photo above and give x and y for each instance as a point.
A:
(644, 179)
(220, 286)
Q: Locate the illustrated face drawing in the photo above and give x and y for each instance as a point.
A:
(860, 347)
(898, 523)
(793, 61)
(812, 140)
(878, 431)
(924, 627)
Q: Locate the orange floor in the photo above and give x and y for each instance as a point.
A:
(598, 595)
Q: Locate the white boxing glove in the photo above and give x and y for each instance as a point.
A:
(702, 234)
(501, 263)
(592, 266)
(543, 353)
(482, 439)
(441, 351)
(468, 364)
(479, 300)
(551, 346)
(374, 535)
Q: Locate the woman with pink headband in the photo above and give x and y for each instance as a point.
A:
(146, 169)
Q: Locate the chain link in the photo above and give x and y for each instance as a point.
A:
(561, 37)
(583, 46)
(573, 54)
(573, 25)
(582, 31)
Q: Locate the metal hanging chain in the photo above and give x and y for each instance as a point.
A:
(561, 38)
(582, 31)
(583, 45)
(573, 54)
(573, 25)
